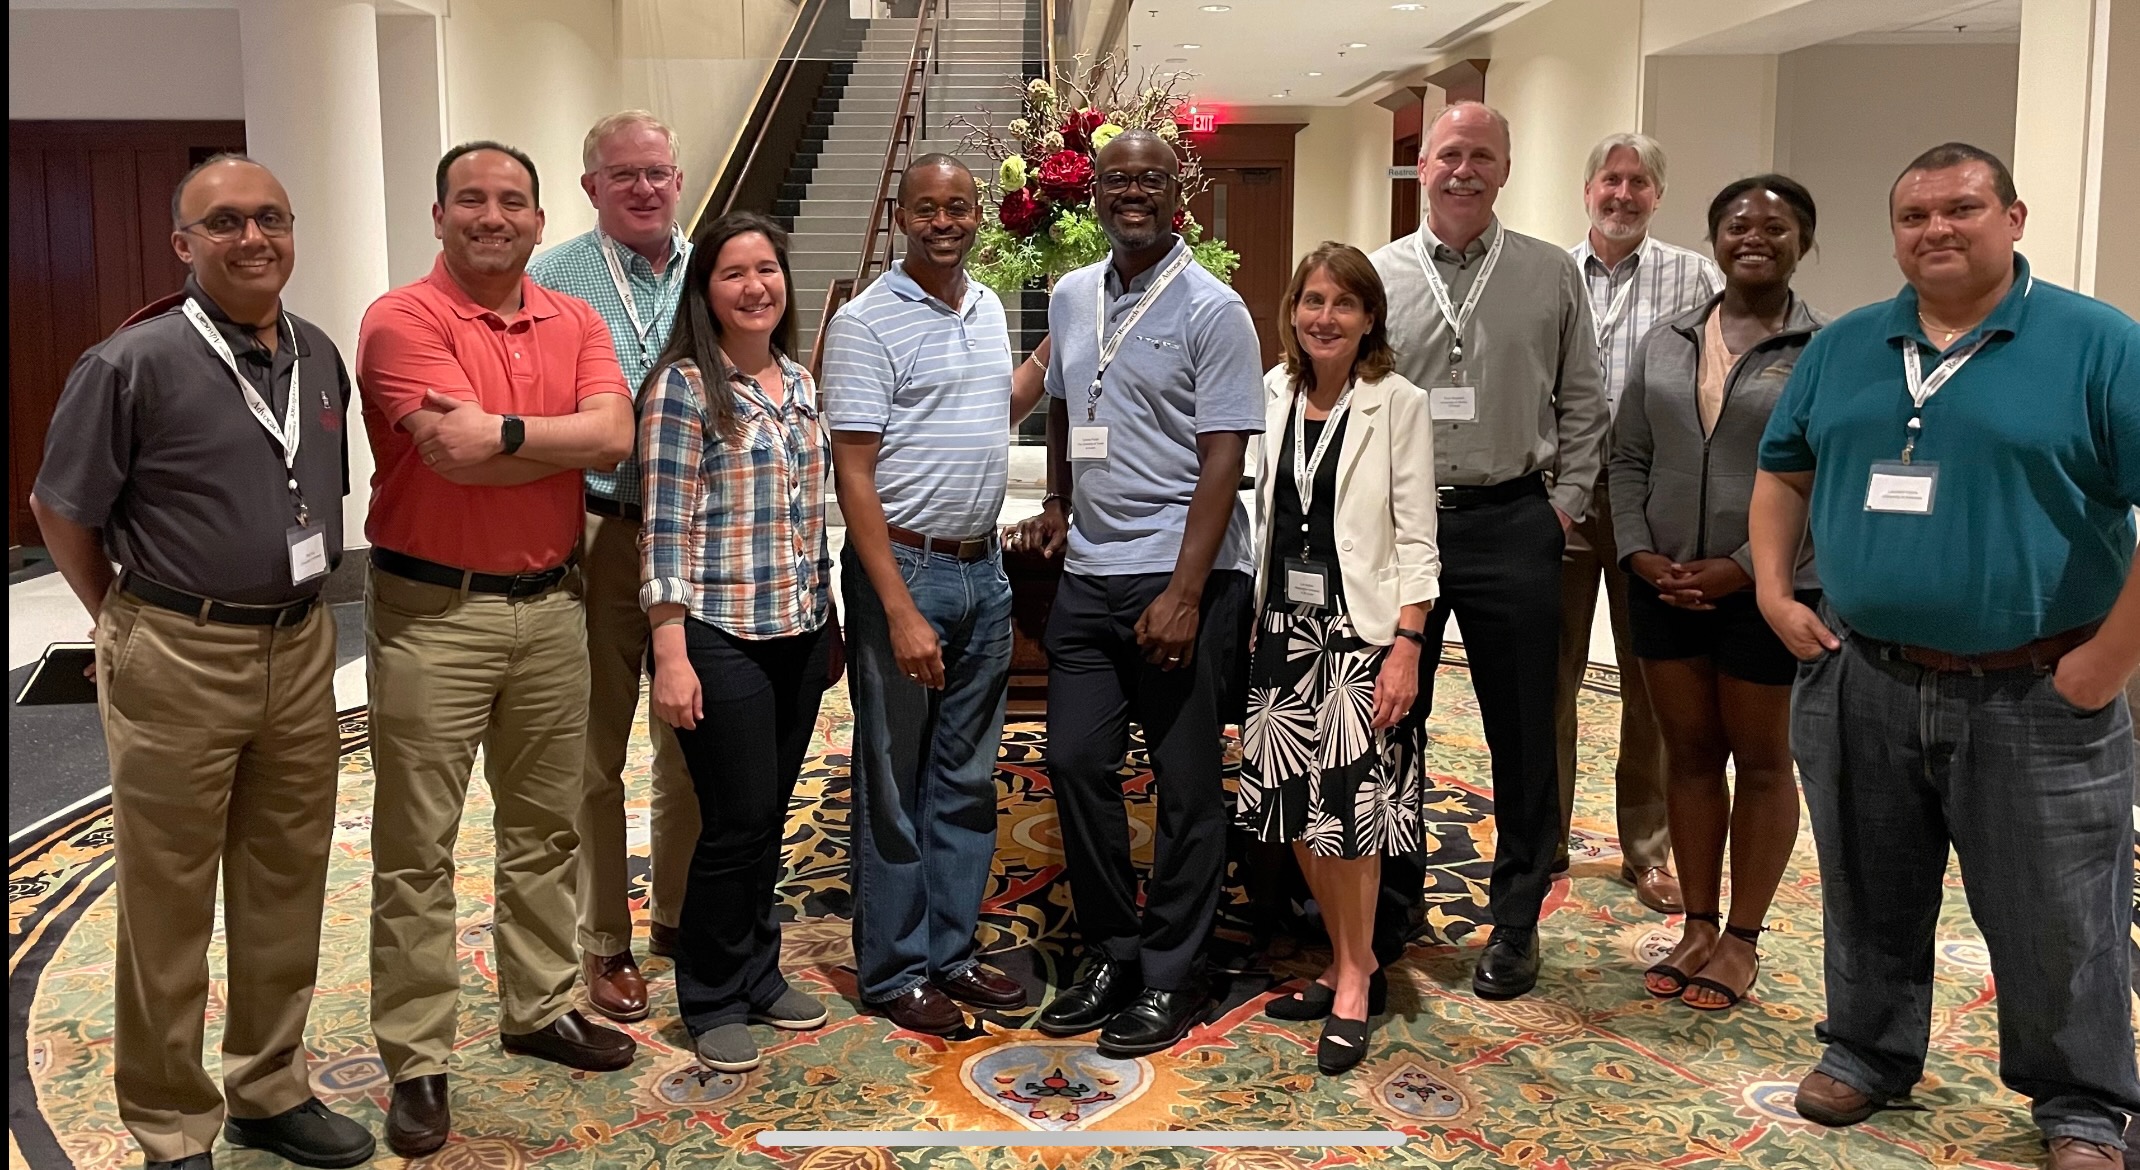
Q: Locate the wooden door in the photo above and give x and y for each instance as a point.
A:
(89, 242)
(1251, 209)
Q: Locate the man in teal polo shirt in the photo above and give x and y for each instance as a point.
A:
(1969, 453)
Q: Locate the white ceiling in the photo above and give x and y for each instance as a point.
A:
(1261, 52)
(1966, 21)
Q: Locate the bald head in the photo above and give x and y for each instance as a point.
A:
(1472, 117)
(1463, 167)
(922, 171)
(1150, 150)
(232, 226)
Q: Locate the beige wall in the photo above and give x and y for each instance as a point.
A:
(1566, 75)
(112, 63)
(1708, 140)
(698, 65)
(1850, 117)
(2117, 251)
(1341, 189)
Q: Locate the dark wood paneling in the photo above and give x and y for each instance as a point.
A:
(1252, 163)
(89, 241)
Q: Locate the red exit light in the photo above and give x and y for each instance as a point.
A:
(1198, 119)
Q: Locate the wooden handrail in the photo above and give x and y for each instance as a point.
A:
(842, 291)
(902, 138)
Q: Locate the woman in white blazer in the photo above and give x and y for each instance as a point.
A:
(1346, 571)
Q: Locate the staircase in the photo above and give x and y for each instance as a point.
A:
(982, 54)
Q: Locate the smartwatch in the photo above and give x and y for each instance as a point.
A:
(512, 432)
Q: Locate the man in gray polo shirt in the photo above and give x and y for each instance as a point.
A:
(202, 447)
(919, 397)
(1154, 392)
(1496, 326)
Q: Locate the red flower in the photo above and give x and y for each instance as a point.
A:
(1078, 127)
(1021, 214)
(1181, 218)
(1066, 177)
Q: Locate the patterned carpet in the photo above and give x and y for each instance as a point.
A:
(1586, 1074)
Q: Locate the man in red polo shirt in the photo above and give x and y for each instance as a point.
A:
(485, 395)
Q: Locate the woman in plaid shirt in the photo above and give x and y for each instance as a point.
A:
(734, 573)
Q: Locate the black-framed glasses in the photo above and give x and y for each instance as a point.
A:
(226, 225)
(1150, 182)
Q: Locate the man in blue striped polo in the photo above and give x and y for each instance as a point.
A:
(918, 383)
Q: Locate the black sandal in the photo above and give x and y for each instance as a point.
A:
(1667, 970)
(1313, 1003)
(1344, 1044)
(1751, 936)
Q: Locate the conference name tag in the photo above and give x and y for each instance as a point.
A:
(1904, 488)
(308, 552)
(1088, 442)
(1453, 403)
(1307, 582)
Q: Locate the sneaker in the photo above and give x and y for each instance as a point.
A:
(727, 1048)
(794, 1011)
(309, 1135)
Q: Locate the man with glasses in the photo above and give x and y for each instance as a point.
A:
(1154, 391)
(630, 267)
(202, 448)
(919, 395)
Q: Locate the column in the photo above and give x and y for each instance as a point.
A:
(2077, 138)
(312, 116)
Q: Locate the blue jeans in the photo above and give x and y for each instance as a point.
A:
(2035, 797)
(924, 769)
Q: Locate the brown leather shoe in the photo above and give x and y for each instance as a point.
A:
(663, 940)
(1826, 1101)
(985, 987)
(418, 1119)
(923, 1009)
(1655, 887)
(574, 1041)
(614, 986)
(2072, 1153)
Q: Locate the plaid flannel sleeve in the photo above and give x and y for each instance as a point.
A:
(672, 443)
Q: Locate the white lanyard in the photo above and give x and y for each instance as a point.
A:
(1110, 346)
(289, 434)
(1457, 318)
(1922, 388)
(1304, 464)
(1620, 301)
(610, 260)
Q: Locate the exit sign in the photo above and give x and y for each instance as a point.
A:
(1202, 123)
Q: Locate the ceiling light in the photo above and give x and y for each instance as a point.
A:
(1407, 7)
(1177, 60)
(1357, 45)
(1278, 95)
(1315, 73)
(1189, 45)
(1218, 8)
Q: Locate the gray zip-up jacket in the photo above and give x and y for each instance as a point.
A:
(1676, 491)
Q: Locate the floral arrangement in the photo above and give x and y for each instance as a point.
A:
(1040, 221)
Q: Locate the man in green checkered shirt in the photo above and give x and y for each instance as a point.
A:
(631, 269)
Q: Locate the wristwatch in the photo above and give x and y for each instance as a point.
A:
(1417, 637)
(512, 432)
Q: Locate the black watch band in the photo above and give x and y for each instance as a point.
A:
(512, 432)
(1417, 637)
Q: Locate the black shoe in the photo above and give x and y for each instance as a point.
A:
(309, 1135)
(1343, 1045)
(575, 1042)
(189, 1162)
(1509, 967)
(1103, 987)
(1314, 1001)
(1154, 1022)
(418, 1119)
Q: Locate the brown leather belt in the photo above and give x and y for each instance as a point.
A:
(969, 550)
(2041, 654)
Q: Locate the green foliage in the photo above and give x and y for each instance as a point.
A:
(1071, 240)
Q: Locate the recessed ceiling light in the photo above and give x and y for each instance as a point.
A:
(1278, 95)
(1189, 45)
(1407, 7)
(1218, 8)
(1177, 60)
(1315, 73)
(1357, 45)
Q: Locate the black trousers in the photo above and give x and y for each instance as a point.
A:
(1500, 578)
(1098, 682)
(761, 700)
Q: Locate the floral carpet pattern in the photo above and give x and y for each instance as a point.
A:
(1587, 1073)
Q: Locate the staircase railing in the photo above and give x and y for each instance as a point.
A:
(910, 122)
(750, 173)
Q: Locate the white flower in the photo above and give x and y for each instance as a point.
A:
(1052, 141)
(1021, 127)
(1169, 131)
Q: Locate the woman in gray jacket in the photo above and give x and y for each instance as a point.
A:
(1699, 392)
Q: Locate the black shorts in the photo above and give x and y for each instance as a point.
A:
(1734, 635)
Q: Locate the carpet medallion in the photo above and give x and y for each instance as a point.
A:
(1588, 1073)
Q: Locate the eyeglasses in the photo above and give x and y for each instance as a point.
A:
(226, 226)
(627, 177)
(1150, 182)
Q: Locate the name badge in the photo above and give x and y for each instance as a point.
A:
(1905, 488)
(1307, 582)
(1088, 442)
(1453, 403)
(308, 552)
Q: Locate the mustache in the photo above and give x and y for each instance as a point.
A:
(1464, 187)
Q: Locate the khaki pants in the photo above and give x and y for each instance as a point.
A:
(1638, 775)
(617, 637)
(224, 755)
(451, 672)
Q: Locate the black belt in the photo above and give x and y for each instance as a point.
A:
(614, 509)
(1457, 497)
(207, 609)
(503, 584)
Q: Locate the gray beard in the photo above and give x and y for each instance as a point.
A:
(1135, 241)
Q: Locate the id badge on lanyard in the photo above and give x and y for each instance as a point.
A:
(1307, 578)
(1088, 442)
(1909, 486)
(306, 541)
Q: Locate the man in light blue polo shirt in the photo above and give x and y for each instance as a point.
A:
(1155, 389)
(920, 398)
(630, 267)
(1969, 453)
